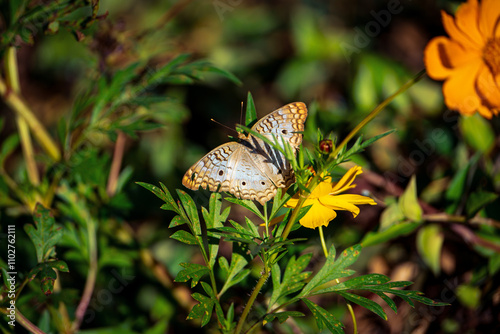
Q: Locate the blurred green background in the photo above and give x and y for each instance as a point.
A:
(341, 58)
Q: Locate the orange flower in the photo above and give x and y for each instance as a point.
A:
(469, 61)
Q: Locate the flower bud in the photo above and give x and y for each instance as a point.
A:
(326, 146)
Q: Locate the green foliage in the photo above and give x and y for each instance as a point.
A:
(45, 234)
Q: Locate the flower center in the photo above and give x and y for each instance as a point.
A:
(491, 55)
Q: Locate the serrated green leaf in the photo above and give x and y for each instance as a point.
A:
(333, 268)
(429, 243)
(184, 237)
(193, 272)
(164, 195)
(201, 310)
(176, 221)
(478, 200)
(408, 202)
(293, 278)
(191, 211)
(235, 273)
(324, 318)
(248, 204)
(365, 302)
(45, 234)
(47, 275)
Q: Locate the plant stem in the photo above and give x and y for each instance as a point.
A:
(12, 80)
(251, 300)
(114, 173)
(16, 103)
(27, 324)
(322, 238)
(91, 277)
(376, 111)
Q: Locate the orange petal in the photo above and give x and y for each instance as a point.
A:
(488, 17)
(488, 88)
(485, 112)
(459, 90)
(457, 34)
(443, 54)
(466, 20)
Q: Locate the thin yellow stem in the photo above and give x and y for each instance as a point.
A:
(376, 111)
(323, 243)
(12, 80)
(19, 106)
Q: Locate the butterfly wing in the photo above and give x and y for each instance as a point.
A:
(286, 122)
(252, 169)
(230, 167)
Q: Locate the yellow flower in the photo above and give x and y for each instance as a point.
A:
(469, 61)
(326, 199)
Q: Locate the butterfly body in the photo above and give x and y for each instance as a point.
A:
(252, 169)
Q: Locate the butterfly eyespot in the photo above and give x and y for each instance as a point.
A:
(221, 172)
(263, 183)
(243, 183)
(280, 171)
(284, 131)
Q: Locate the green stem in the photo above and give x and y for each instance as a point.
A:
(251, 300)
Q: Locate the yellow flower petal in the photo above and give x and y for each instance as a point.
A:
(318, 215)
(346, 180)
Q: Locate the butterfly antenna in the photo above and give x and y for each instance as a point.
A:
(224, 126)
(241, 113)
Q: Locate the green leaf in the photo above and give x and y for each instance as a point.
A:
(47, 275)
(333, 268)
(478, 133)
(164, 195)
(251, 113)
(8, 146)
(214, 219)
(456, 188)
(293, 278)
(235, 273)
(193, 272)
(282, 316)
(324, 318)
(191, 211)
(429, 243)
(478, 200)
(469, 296)
(365, 302)
(408, 202)
(395, 231)
(391, 216)
(45, 234)
(202, 310)
(248, 204)
(184, 237)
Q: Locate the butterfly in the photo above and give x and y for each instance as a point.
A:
(251, 168)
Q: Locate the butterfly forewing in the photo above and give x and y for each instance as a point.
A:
(252, 169)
